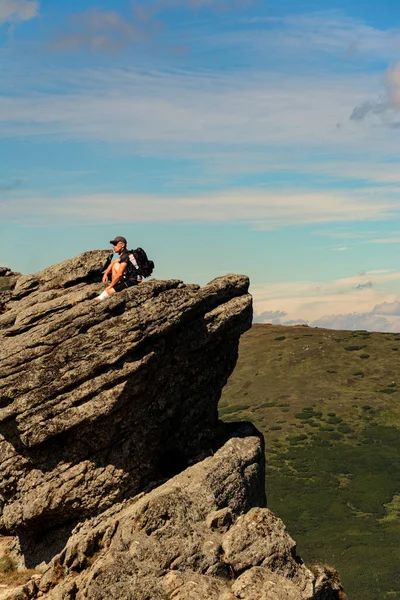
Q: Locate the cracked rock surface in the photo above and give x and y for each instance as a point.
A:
(100, 399)
(199, 536)
(116, 477)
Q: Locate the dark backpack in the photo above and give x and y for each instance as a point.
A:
(145, 266)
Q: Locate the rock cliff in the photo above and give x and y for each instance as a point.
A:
(8, 280)
(102, 402)
(200, 536)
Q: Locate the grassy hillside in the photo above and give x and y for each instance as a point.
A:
(328, 403)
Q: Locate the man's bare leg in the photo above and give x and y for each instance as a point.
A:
(110, 291)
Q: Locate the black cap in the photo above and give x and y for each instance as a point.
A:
(117, 239)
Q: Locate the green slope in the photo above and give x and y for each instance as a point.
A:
(328, 403)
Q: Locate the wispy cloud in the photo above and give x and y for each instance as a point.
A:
(343, 234)
(387, 308)
(236, 109)
(370, 321)
(319, 303)
(386, 107)
(8, 186)
(383, 317)
(227, 124)
(97, 29)
(270, 316)
(156, 6)
(388, 240)
(372, 168)
(364, 286)
(234, 122)
(335, 31)
(358, 237)
(353, 321)
(321, 34)
(260, 209)
(14, 11)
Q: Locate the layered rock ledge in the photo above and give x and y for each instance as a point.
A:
(99, 399)
(116, 477)
(203, 535)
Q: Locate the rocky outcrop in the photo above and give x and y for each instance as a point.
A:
(203, 535)
(8, 277)
(7, 272)
(116, 477)
(100, 399)
(8, 281)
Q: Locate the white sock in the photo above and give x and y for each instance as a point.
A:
(103, 295)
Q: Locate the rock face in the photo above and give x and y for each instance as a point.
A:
(98, 399)
(115, 473)
(8, 280)
(7, 272)
(203, 535)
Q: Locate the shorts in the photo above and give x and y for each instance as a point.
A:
(123, 285)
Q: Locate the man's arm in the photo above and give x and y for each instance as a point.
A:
(117, 276)
(108, 271)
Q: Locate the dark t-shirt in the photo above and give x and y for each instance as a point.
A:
(129, 273)
(124, 257)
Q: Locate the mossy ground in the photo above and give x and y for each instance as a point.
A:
(4, 283)
(7, 283)
(9, 575)
(328, 403)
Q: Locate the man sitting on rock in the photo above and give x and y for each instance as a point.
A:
(122, 270)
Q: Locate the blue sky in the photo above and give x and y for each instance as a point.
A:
(221, 136)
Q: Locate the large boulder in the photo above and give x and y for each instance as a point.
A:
(7, 272)
(203, 535)
(116, 478)
(99, 400)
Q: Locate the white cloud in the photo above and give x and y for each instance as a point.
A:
(260, 209)
(334, 31)
(228, 123)
(343, 234)
(234, 122)
(387, 308)
(364, 286)
(388, 240)
(295, 322)
(393, 86)
(317, 36)
(270, 316)
(97, 29)
(18, 10)
(218, 5)
(361, 294)
(386, 108)
(187, 109)
(354, 321)
(384, 316)
(363, 237)
(373, 168)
